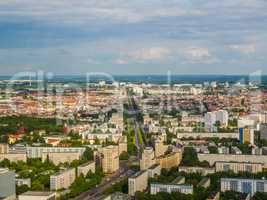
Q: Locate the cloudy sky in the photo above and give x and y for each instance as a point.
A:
(133, 37)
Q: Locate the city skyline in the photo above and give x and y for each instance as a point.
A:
(116, 37)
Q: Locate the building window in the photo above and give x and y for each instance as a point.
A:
(260, 186)
(226, 168)
(247, 187)
(234, 185)
(248, 168)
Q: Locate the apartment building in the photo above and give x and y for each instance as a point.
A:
(246, 135)
(62, 180)
(160, 148)
(4, 148)
(122, 144)
(85, 168)
(14, 157)
(7, 184)
(213, 158)
(238, 167)
(154, 170)
(248, 186)
(148, 158)
(30, 195)
(60, 157)
(37, 152)
(110, 160)
(138, 182)
(202, 170)
(170, 160)
(169, 188)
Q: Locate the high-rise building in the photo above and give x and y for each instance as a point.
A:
(263, 131)
(160, 148)
(210, 119)
(223, 117)
(7, 184)
(138, 182)
(62, 180)
(246, 135)
(248, 186)
(110, 160)
(122, 144)
(148, 158)
(4, 148)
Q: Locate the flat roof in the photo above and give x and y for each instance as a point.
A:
(34, 193)
(85, 164)
(138, 174)
(154, 166)
(172, 184)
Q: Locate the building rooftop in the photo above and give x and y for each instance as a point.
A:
(154, 166)
(63, 171)
(33, 193)
(85, 164)
(178, 179)
(3, 170)
(138, 174)
(179, 185)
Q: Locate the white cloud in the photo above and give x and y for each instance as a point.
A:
(150, 54)
(82, 11)
(244, 48)
(121, 61)
(92, 61)
(199, 55)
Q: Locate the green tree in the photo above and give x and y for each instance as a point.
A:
(21, 189)
(190, 157)
(88, 154)
(124, 156)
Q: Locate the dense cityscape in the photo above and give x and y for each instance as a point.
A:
(126, 140)
(133, 100)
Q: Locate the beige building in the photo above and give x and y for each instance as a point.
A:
(85, 168)
(122, 144)
(4, 148)
(238, 167)
(170, 160)
(154, 170)
(213, 158)
(14, 157)
(62, 180)
(37, 195)
(205, 182)
(148, 158)
(58, 158)
(160, 148)
(201, 170)
(110, 160)
(138, 182)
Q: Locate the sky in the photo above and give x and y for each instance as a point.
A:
(71, 37)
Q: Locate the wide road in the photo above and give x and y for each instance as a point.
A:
(134, 112)
(97, 193)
